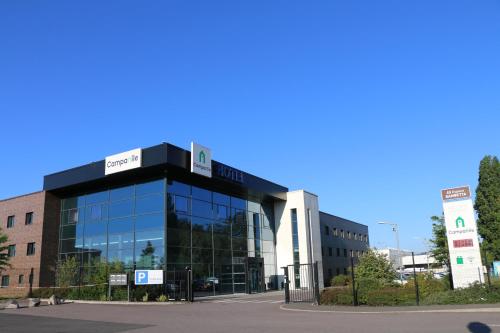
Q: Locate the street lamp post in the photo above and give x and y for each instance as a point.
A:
(395, 228)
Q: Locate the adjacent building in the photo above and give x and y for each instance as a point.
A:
(167, 208)
(341, 240)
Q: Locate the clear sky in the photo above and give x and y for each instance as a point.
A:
(373, 105)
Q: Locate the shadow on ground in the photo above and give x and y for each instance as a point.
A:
(14, 323)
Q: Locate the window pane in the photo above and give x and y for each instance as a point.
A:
(200, 193)
(153, 237)
(121, 193)
(150, 187)
(121, 208)
(150, 221)
(201, 208)
(238, 203)
(221, 199)
(96, 212)
(202, 232)
(68, 231)
(97, 197)
(120, 226)
(181, 204)
(179, 188)
(178, 255)
(149, 204)
(178, 237)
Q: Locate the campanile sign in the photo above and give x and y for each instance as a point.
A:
(461, 231)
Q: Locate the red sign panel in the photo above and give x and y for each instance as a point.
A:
(463, 243)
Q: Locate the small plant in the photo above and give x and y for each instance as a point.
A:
(162, 298)
(340, 280)
(145, 298)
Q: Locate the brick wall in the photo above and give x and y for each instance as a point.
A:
(20, 235)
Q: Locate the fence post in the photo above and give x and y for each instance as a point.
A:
(316, 282)
(354, 294)
(287, 288)
(417, 293)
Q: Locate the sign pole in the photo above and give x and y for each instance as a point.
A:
(417, 294)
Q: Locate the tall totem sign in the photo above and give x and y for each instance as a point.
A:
(463, 241)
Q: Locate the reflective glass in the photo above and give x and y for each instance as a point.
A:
(201, 208)
(156, 186)
(121, 193)
(179, 188)
(149, 204)
(68, 231)
(201, 193)
(179, 255)
(149, 221)
(121, 208)
(181, 204)
(178, 237)
(238, 203)
(97, 197)
(221, 199)
(119, 226)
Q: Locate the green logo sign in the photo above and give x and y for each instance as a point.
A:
(201, 157)
(460, 260)
(460, 222)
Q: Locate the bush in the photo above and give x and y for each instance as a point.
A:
(336, 296)
(390, 296)
(475, 294)
(340, 280)
(162, 298)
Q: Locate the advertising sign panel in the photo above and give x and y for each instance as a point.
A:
(201, 160)
(496, 268)
(148, 276)
(124, 161)
(461, 231)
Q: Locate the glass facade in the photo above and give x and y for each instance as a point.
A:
(215, 234)
(124, 225)
(171, 225)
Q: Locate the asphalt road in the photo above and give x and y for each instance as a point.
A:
(262, 313)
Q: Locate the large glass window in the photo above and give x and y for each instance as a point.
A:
(211, 232)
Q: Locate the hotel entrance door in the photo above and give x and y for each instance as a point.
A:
(255, 275)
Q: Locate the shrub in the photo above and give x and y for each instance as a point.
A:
(162, 298)
(336, 296)
(390, 296)
(340, 280)
(475, 294)
(145, 298)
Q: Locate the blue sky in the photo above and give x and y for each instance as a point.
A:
(373, 105)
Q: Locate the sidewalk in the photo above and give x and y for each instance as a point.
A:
(462, 308)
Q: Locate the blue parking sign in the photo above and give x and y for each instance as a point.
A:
(141, 277)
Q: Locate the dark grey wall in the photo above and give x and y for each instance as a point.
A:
(338, 264)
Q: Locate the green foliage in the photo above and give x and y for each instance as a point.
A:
(427, 284)
(145, 298)
(340, 280)
(439, 241)
(67, 272)
(390, 296)
(4, 257)
(375, 266)
(162, 298)
(336, 296)
(487, 205)
(476, 294)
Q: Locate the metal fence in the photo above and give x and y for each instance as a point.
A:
(301, 283)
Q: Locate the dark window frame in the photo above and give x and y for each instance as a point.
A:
(11, 220)
(28, 219)
(30, 249)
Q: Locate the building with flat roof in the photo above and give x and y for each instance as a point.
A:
(166, 208)
(341, 240)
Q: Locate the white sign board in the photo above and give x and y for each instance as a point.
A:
(148, 276)
(201, 160)
(463, 243)
(118, 279)
(124, 161)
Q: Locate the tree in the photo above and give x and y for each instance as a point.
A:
(439, 241)
(68, 272)
(4, 255)
(487, 205)
(375, 266)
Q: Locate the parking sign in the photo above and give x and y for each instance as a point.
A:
(148, 276)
